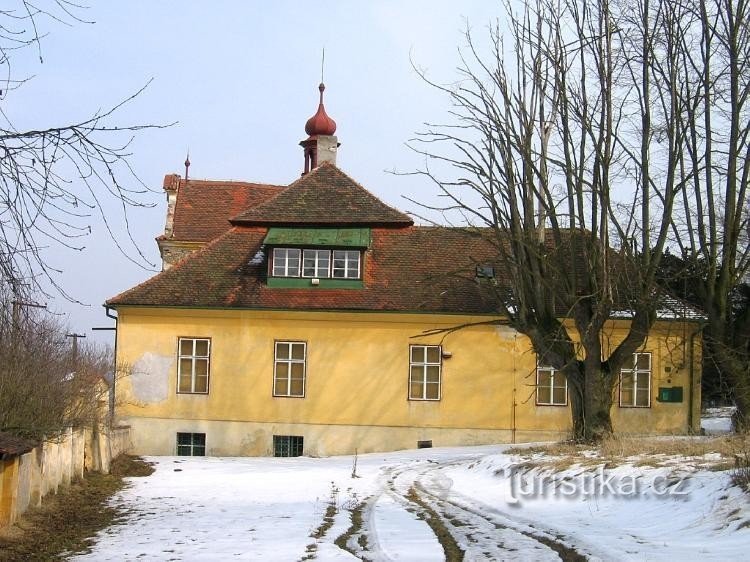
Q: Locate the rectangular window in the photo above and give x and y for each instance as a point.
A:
(635, 382)
(191, 444)
(424, 372)
(289, 369)
(346, 264)
(316, 263)
(287, 445)
(286, 262)
(551, 387)
(193, 365)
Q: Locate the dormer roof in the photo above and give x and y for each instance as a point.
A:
(325, 196)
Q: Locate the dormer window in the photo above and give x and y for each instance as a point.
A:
(286, 262)
(346, 264)
(317, 257)
(316, 263)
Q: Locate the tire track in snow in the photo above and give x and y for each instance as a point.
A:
(483, 533)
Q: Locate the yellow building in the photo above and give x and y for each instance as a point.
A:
(314, 319)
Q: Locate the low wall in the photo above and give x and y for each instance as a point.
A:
(26, 479)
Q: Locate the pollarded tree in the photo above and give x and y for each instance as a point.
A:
(566, 145)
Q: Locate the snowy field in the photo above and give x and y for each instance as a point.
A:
(491, 507)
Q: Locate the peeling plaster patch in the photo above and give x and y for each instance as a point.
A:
(506, 333)
(150, 377)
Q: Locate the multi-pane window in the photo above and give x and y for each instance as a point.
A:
(289, 369)
(346, 264)
(551, 387)
(424, 372)
(316, 263)
(287, 445)
(191, 444)
(635, 382)
(286, 262)
(193, 365)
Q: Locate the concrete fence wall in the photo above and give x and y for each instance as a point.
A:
(26, 479)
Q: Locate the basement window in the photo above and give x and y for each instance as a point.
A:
(287, 445)
(191, 444)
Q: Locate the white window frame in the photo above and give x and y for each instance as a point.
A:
(637, 373)
(425, 364)
(554, 374)
(289, 362)
(194, 358)
(317, 253)
(346, 270)
(282, 259)
(282, 264)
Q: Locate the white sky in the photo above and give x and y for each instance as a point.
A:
(240, 79)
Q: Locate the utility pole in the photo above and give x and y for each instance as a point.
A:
(75, 347)
(17, 312)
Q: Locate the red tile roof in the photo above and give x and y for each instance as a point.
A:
(13, 446)
(324, 196)
(406, 269)
(204, 207)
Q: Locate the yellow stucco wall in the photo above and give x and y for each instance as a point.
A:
(8, 493)
(356, 392)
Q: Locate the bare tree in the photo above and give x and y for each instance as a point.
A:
(45, 386)
(712, 64)
(54, 180)
(566, 147)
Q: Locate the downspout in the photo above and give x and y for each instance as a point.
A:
(513, 404)
(691, 374)
(108, 311)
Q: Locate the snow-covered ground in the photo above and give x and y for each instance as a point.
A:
(717, 421)
(399, 503)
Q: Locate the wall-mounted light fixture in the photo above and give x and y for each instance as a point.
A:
(446, 354)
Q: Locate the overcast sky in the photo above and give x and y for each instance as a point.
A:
(240, 80)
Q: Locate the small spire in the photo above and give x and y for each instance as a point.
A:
(187, 164)
(322, 65)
